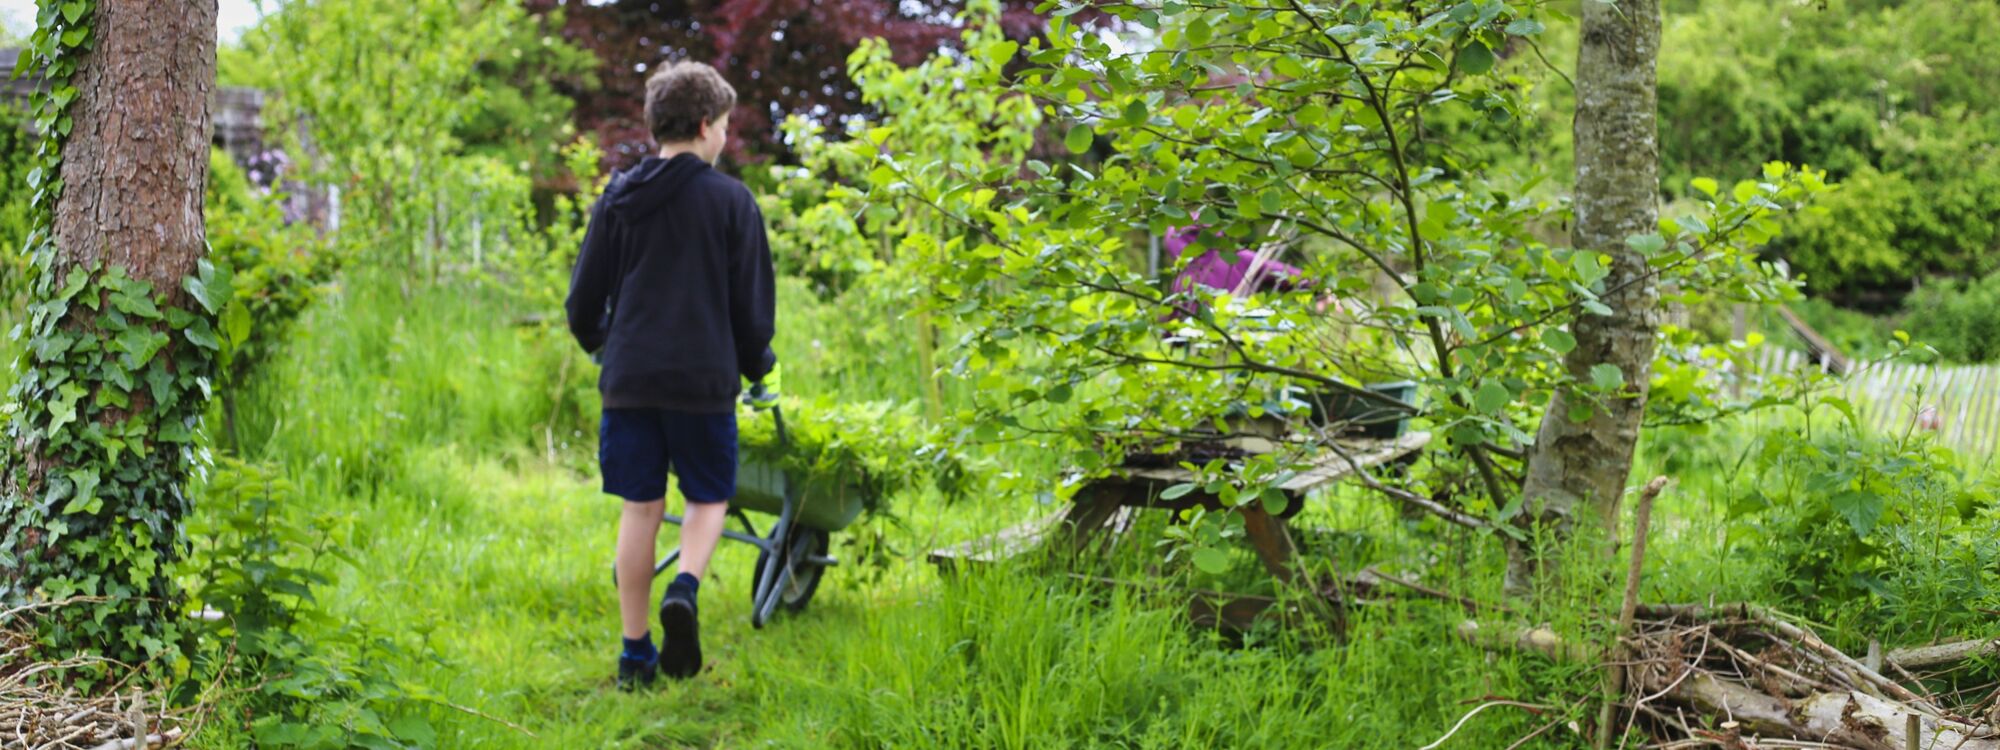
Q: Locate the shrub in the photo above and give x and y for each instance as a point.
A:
(1847, 518)
(1959, 318)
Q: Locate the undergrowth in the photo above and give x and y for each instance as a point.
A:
(449, 449)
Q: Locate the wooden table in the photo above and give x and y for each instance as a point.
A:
(1109, 502)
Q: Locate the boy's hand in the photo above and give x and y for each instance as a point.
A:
(764, 393)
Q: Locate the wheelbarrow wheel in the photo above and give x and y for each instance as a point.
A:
(803, 582)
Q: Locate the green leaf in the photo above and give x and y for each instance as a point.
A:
(1706, 185)
(414, 729)
(74, 37)
(1646, 244)
(1199, 32)
(1589, 268)
(203, 336)
(1211, 560)
(84, 497)
(1177, 491)
(1861, 508)
(1525, 27)
(1079, 138)
(1558, 340)
(1607, 376)
(1136, 112)
(1491, 397)
(1275, 500)
(236, 322)
(1475, 58)
(73, 11)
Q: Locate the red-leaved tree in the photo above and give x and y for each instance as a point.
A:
(783, 56)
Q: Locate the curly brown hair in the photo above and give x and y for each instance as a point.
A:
(681, 97)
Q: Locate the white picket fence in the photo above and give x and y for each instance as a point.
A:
(1961, 403)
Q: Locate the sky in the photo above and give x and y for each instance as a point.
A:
(232, 17)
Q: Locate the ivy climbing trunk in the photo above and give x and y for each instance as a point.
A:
(120, 331)
(1579, 464)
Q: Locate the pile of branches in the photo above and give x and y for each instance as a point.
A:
(40, 709)
(1743, 677)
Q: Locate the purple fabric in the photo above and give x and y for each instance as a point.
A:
(1213, 271)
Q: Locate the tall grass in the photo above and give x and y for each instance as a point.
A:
(456, 447)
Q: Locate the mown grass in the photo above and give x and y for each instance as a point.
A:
(456, 449)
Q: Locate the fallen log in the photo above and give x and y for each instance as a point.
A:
(1923, 657)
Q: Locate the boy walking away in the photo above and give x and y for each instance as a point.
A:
(673, 292)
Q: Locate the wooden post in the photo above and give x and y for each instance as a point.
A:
(1614, 673)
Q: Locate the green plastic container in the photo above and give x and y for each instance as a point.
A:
(827, 506)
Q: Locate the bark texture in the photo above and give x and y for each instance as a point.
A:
(137, 158)
(1576, 468)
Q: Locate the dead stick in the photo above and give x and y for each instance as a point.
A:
(1614, 676)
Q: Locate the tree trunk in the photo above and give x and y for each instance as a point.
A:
(113, 386)
(136, 162)
(1577, 467)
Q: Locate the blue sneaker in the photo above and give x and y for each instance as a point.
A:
(680, 647)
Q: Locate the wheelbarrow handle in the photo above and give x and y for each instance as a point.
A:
(758, 397)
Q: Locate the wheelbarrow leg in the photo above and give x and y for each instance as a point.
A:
(779, 572)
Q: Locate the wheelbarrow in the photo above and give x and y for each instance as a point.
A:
(793, 558)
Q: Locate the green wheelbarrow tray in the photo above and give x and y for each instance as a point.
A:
(822, 505)
(793, 557)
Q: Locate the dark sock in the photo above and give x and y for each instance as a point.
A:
(688, 583)
(641, 648)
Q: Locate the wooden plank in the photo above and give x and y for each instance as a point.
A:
(1337, 467)
(1091, 509)
(998, 546)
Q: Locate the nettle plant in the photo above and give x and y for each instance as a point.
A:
(1300, 124)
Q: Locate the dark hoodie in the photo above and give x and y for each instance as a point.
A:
(674, 285)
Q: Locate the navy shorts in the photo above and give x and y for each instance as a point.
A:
(636, 448)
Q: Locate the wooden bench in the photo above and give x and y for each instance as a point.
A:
(1111, 501)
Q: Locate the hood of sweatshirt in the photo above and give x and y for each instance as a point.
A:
(653, 182)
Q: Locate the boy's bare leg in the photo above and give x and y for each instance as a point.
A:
(638, 535)
(700, 532)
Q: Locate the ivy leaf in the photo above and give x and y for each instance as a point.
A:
(72, 38)
(84, 497)
(73, 11)
(139, 344)
(62, 411)
(203, 336)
